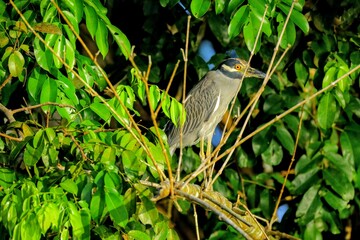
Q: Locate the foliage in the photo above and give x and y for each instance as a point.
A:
(82, 153)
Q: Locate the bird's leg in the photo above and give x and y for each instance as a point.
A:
(208, 175)
(202, 153)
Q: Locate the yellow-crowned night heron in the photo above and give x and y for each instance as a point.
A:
(207, 102)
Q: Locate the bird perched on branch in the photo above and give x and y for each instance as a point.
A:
(207, 102)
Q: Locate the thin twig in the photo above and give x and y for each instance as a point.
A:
(41, 105)
(273, 218)
(196, 222)
(185, 56)
(8, 113)
(8, 79)
(10, 137)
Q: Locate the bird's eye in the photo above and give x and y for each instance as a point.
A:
(237, 66)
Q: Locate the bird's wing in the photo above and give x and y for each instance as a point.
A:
(201, 102)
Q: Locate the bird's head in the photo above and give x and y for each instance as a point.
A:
(235, 68)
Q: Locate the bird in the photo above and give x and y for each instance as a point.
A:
(207, 102)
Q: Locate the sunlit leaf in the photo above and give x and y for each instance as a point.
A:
(91, 20)
(238, 21)
(116, 207)
(16, 63)
(219, 6)
(199, 7)
(297, 17)
(69, 186)
(48, 93)
(101, 37)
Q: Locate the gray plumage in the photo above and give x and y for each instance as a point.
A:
(207, 102)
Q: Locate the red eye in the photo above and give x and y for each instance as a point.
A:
(237, 66)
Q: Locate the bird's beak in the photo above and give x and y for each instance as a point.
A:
(252, 72)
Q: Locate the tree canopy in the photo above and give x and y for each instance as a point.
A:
(87, 87)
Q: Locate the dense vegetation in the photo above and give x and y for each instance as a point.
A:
(82, 150)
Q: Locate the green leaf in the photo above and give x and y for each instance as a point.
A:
(76, 7)
(257, 9)
(312, 231)
(69, 186)
(297, 17)
(91, 19)
(273, 154)
(309, 203)
(115, 205)
(199, 7)
(133, 167)
(266, 203)
(97, 205)
(289, 35)
(68, 87)
(48, 216)
(301, 71)
(59, 49)
(303, 181)
(148, 213)
(177, 112)
(258, 6)
(86, 222)
(7, 177)
(101, 110)
(326, 111)
(32, 155)
(154, 96)
(48, 93)
(250, 36)
(73, 21)
(219, 6)
(158, 155)
(345, 83)
(233, 4)
(30, 227)
(261, 141)
(238, 21)
(334, 201)
(329, 76)
(113, 180)
(34, 83)
(49, 13)
(121, 40)
(69, 54)
(138, 235)
(108, 156)
(348, 148)
(341, 164)
(16, 63)
(101, 37)
(4, 40)
(338, 181)
(285, 138)
(78, 229)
